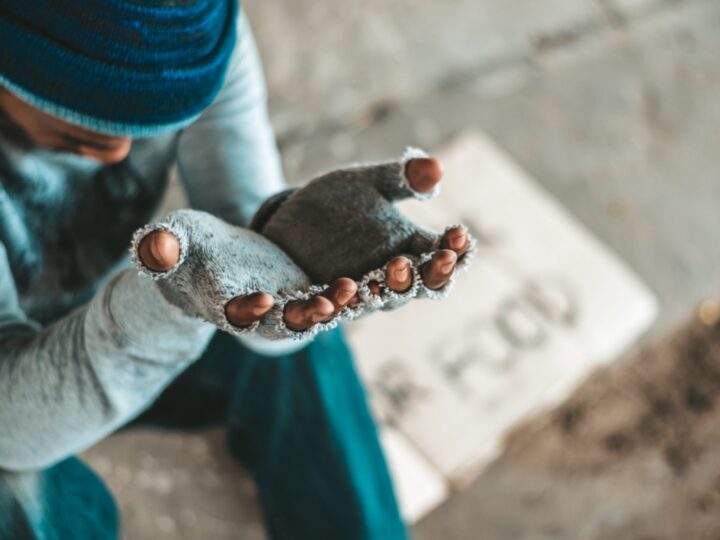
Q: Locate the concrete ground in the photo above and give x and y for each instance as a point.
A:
(612, 105)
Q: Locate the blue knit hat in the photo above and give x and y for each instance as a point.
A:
(124, 67)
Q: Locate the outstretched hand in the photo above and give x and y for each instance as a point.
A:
(160, 251)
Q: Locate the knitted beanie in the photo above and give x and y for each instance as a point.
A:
(123, 67)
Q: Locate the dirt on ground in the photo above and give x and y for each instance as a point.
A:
(634, 453)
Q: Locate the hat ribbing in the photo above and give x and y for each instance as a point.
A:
(126, 67)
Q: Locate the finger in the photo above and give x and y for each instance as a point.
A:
(340, 293)
(354, 301)
(398, 274)
(456, 239)
(302, 314)
(375, 288)
(437, 271)
(159, 251)
(423, 173)
(245, 310)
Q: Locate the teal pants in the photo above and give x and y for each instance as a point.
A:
(299, 423)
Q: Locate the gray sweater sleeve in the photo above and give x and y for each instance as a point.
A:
(64, 387)
(227, 159)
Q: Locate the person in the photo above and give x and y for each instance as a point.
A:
(96, 108)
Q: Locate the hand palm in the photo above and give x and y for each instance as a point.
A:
(342, 230)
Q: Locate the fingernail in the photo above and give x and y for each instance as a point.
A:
(258, 310)
(402, 273)
(424, 173)
(447, 267)
(457, 242)
(344, 296)
(317, 317)
(164, 248)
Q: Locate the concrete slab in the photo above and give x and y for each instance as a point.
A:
(177, 485)
(621, 11)
(332, 60)
(542, 305)
(631, 455)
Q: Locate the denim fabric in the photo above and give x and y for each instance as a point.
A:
(299, 423)
(319, 467)
(65, 502)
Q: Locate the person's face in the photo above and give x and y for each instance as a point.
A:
(53, 133)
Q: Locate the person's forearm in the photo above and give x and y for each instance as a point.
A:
(228, 159)
(67, 386)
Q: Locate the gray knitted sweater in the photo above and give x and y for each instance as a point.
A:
(85, 342)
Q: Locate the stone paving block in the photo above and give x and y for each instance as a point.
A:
(173, 485)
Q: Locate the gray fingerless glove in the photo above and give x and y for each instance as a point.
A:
(345, 223)
(342, 224)
(219, 262)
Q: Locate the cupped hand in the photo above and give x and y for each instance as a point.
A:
(159, 251)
